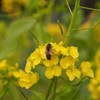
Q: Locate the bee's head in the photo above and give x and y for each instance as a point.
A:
(48, 46)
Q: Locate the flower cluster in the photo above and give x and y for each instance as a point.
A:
(13, 73)
(61, 58)
(6, 73)
(94, 85)
(6, 70)
(26, 79)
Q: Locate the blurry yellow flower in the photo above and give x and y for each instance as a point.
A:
(53, 71)
(43, 2)
(97, 75)
(97, 59)
(3, 64)
(55, 31)
(12, 69)
(86, 69)
(97, 32)
(94, 86)
(88, 22)
(72, 72)
(26, 79)
(23, 1)
(7, 5)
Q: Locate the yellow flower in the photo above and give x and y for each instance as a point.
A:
(72, 72)
(53, 71)
(73, 51)
(35, 58)
(86, 69)
(64, 51)
(3, 64)
(66, 62)
(26, 79)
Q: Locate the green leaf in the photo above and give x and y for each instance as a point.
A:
(20, 26)
(67, 93)
(15, 31)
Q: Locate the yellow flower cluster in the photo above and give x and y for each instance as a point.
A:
(56, 58)
(6, 73)
(13, 72)
(94, 85)
(12, 6)
(7, 70)
(26, 79)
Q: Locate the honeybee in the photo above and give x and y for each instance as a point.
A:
(49, 51)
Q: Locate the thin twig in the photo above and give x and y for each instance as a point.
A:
(96, 23)
(83, 29)
(23, 94)
(98, 10)
(54, 88)
(49, 90)
(93, 26)
(69, 7)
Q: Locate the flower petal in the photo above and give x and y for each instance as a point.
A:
(57, 71)
(85, 66)
(28, 67)
(76, 73)
(90, 73)
(66, 62)
(54, 60)
(70, 75)
(49, 73)
(73, 51)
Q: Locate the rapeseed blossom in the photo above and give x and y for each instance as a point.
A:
(86, 69)
(21, 78)
(61, 59)
(26, 79)
(94, 85)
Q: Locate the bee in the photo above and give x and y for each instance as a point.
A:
(49, 51)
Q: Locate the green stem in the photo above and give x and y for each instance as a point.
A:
(72, 23)
(49, 90)
(54, 88)
(98, 10)
(23, 94)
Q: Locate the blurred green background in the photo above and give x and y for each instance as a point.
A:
(21, 21)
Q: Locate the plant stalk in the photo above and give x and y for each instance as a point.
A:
(48, 90)
(72, 23)
(54, 88)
